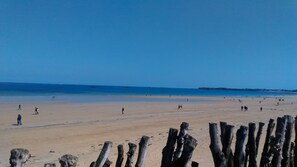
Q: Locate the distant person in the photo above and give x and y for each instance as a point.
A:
(241, 108)
(245, 108)
(36, 110)
(261, 108)
(19, 120)
(123, 109)
(20, 107)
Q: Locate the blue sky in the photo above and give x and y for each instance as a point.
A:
(169, 43)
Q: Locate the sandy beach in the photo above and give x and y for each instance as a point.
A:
(80, 129)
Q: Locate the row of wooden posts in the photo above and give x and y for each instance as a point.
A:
(278, 150)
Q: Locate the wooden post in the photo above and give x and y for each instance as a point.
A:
(287, 143)
(252, 145)
(120, 156)
(227, 141)
(50, 165)
(259, 133)
(223, 130)
(218, 156)
(267, 143)
(130, 154)
(292, 154)
(280, 136)
(185, 159)
(168, 150)
(143, 144)
(104, 154)
(180, 140)
(241, 139)
(18, 157)
(68, 160)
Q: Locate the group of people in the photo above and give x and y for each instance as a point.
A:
(244, 108)
(19, 117)
(179, 106)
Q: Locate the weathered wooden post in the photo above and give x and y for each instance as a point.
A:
(168, 150)
(287, 143)
(143, 144)
(120, 156)
(68, 160)
(267, 143)
(18, 157)
(241, 139)
(227, 141)
(50, 165)
(184, 127)
(223, 130)
(259, 133)
(252, 145)
(218, 156)
(280, 136)
(292, 154)
(103, 154)
(185, 159)
(130, 154)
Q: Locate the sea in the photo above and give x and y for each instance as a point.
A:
(29, 92)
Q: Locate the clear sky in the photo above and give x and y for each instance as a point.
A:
(164, 43)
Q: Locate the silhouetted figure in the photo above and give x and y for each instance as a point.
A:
(123, 110)
(241, 108)
(20, 107)
(261, 108)
(36, 110)
(245, 108)
(19, 120)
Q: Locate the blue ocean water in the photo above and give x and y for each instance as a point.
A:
(37, 92)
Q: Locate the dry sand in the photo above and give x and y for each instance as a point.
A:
(81, 128)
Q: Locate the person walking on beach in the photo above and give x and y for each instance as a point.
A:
(19, 120)
(36, 110)
(123, 109)
(20, 107)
